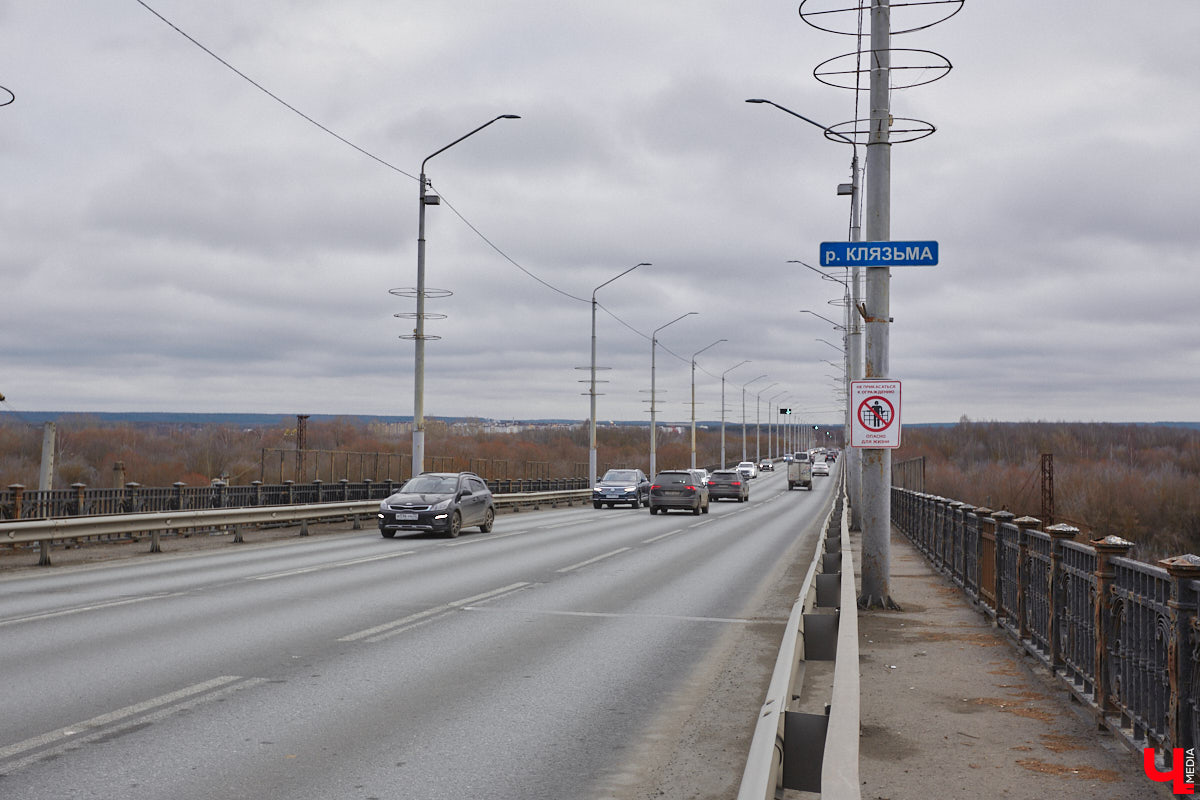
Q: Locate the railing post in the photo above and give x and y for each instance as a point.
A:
(345, 482)
(1184, 570)
(1106, 549)
(1056, 591)
(289, 489)
(218, 493)
(18, 492)
(130, 498)
(1024, 526)
(258, 492)
(80, 489)
(177, 501)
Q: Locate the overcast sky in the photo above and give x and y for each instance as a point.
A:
(172, 238)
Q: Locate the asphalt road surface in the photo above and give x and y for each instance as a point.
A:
(570, 653)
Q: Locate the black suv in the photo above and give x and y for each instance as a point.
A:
(622, 486)
(679, 488)
(438, 502)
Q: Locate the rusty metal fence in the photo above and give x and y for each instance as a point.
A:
(1122, 635)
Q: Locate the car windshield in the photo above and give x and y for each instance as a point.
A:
(620, 475)
(431, 484)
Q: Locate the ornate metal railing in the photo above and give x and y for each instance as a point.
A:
(1122, 635)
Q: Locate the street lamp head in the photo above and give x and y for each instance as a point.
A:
(731, 369)
(835, 325)
(822, 273)
(508, 116)
(757, 100)
(702, 349)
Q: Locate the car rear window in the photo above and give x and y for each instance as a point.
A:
(674, 478)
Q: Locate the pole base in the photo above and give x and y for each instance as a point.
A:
(873, 603)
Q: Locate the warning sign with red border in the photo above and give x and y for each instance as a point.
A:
(875, 414)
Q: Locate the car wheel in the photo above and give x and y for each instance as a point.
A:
(696, 511)
(597, 505)
(488, 519)
(386, 533)
(455, 526)
(705, 509)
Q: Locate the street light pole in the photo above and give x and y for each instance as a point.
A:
(758, 423)
(592, 391)
(759, 378)
(418, 334)
(770, 420)
(855, 355)
(698, 352)
(653, 397)
(723, 374)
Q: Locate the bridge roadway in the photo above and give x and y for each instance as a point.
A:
(570, 653)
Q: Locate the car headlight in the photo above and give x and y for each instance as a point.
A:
(442, 506)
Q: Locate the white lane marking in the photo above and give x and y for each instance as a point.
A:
(653, 539)
(66, 612)
(380, 632)
(610, 554)
(59, 741)
(319, 567)
(558, 525)
(475, 539)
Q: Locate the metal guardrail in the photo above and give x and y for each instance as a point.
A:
(45, 532)
(1123, 636)
(17, 502)
(793, 749)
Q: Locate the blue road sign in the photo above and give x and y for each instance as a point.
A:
(879, 254)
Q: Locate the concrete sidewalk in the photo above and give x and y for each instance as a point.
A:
(952, 709)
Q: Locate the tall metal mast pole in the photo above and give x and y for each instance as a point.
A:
(876, 463)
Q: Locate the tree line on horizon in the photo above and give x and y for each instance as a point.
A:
(161, 454)
(1138, 482)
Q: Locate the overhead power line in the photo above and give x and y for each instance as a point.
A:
(271, 94)
(385, 163)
